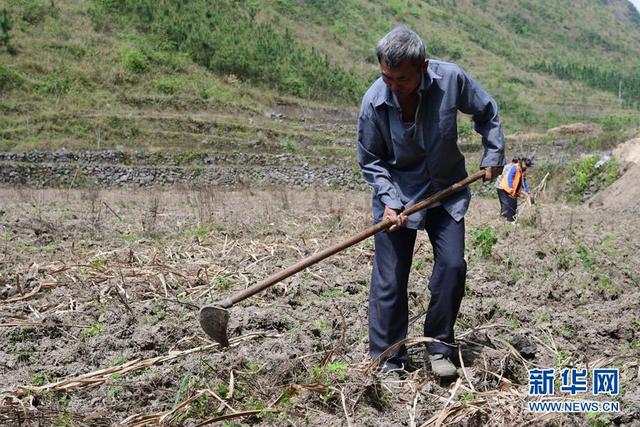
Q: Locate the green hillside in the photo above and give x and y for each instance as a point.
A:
(107, 73)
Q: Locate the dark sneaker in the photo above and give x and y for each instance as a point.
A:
(442, 367)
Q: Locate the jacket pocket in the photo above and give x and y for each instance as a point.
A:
(448, 124)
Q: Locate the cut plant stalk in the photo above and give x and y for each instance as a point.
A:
(215, 318)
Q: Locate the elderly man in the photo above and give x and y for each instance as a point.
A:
(407, 150)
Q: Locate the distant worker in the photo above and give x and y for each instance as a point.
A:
(511, 184)
(408, 150)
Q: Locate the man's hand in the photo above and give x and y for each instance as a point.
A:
(491, 173)
(398, 219)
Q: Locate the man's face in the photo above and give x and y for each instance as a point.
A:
(404, 79)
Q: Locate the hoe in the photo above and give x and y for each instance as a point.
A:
(214, 318)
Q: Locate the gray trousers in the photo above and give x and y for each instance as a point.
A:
(388, 300)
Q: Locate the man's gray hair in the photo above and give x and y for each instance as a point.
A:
(399, 44)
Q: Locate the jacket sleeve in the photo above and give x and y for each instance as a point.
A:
(474, 100)
(375, 170)
(511, 176)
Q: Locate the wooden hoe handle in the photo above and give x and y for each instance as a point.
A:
(383, 225)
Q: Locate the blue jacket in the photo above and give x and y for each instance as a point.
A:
(407, 164)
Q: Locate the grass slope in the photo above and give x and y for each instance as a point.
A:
(286, 75)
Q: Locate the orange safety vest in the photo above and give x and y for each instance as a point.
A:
(513, 189)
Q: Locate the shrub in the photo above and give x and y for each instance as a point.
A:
(615, 123)
(465, 130)
(225, 37)
(34, 12)
(583, 254)
(134, 61)
(54, 84)
(518, 24)
(6, 25)
(395, 8)
(606, 77)
(9, 79)
(169, 86)
(216, 92)
(590, 175)
(456, 52)
(483, 239)
(166, 57)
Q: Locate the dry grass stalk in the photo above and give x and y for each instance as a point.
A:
(236, 415)
(25, 296)
(96, 378)
(464, 371)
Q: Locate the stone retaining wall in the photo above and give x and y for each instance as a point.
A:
(115, 168)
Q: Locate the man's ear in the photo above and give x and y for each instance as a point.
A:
(425, 65)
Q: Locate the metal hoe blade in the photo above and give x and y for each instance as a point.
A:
(214, 320)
